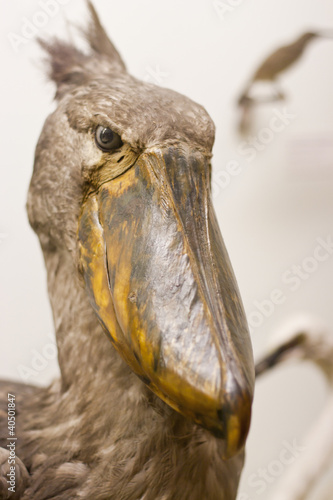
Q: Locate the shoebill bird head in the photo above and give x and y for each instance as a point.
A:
(121, 184)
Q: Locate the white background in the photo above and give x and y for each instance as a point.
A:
(270, 214)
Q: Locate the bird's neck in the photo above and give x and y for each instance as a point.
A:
(87, 359)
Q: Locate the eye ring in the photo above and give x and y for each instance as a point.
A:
(106, 139)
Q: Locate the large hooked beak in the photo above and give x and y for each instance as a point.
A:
(160, 281)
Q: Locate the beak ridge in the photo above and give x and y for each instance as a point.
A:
(177, 319)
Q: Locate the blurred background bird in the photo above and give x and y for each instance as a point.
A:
(305, 339)
(268, 72)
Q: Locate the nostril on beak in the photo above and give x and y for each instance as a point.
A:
(132, 297)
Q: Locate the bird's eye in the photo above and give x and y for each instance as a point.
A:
(106, 139)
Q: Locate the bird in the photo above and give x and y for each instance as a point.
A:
(305, 338)
(280, 60)
(269, 70)
(156, 365)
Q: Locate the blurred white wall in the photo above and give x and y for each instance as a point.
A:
(271, 213)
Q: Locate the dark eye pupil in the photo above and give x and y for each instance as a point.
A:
(106, 139)
(106, 136)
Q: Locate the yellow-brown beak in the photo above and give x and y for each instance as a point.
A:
(160, 281)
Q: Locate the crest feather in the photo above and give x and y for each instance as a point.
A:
(68, 65)
(99, 40)
(66, 62)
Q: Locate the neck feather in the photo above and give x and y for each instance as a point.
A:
(86, 357)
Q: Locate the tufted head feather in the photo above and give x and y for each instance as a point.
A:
(99, 40)
(68, 66)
